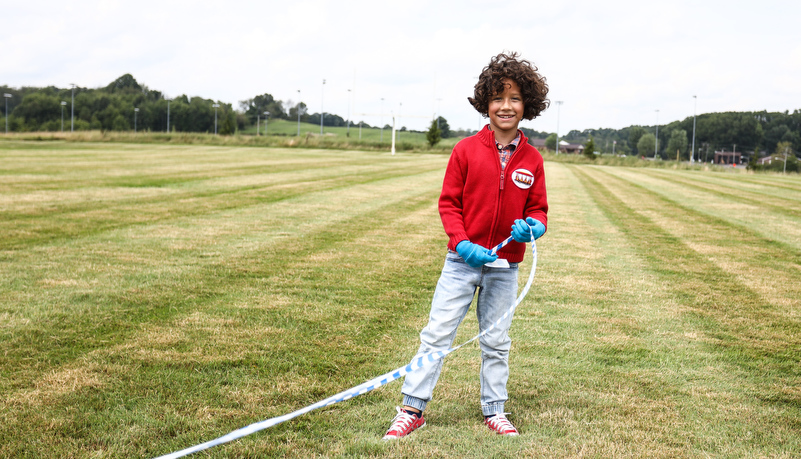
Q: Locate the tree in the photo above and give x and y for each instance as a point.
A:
(227, 122)
(125, 83)
(646, 144)
(635, 134)
(784, 152)
(550, 142)
(254, 108)
(445, 130)
(589, 148)
(678, 142)
(753, 162)
(433, 135)
(304, 112)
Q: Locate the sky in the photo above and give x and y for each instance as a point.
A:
(612, 64)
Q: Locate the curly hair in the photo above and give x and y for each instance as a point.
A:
(533, 86)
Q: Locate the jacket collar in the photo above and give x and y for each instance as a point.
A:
(487, 137)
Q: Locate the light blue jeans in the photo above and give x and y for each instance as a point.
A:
(497, 291)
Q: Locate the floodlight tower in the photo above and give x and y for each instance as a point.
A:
(656, 144)
(136, 110)
(322, 112)
(216, 106)
(558, 112)
(695, 109)
(266, 118)
(382, 119)
(72, 109)
(257, 123)
(349, 101)
(6, 97)
(298, 112)
(63, 103)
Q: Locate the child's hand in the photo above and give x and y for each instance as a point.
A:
(474, 255)
(521, 230)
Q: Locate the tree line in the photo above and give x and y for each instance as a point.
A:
(763, 133)
(127, 105)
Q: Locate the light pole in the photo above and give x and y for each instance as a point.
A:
(216, 106)
(322, 112)
(72, 109)
(136, 110)
(400, 109)
(695, 109)
(298, 112)
(6, 97)
(257, 124)
(656, 144)
(382, 119)
(558, 112)
(266, 118)
(63, 103)
(349, 93)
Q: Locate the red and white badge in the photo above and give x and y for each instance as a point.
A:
(523, 178)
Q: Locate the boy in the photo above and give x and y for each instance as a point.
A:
(494, 181)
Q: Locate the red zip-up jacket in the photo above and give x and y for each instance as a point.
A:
(479, 202)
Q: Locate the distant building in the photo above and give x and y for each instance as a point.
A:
(571, 147)
(539, 144)
(728, 157)
(564, 147)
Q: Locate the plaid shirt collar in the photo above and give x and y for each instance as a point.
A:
(505, 151)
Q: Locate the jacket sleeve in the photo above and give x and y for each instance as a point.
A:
(451, 204)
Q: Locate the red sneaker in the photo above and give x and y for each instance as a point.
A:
(500, 425)
(403, 425)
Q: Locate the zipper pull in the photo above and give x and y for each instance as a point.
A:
(502, 180)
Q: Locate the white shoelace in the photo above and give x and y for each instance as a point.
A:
(402, 421)
(500, 423)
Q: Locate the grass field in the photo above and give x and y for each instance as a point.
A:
(157, 296)
(281, 134)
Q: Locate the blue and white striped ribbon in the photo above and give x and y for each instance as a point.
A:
(365, 387)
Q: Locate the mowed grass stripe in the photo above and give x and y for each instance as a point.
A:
(775, 225)
(156, 166)
(313, 354)
(164, 258)
(755, 345)
(719, 259)
(70, 214)
(776, 200)
(585, 373)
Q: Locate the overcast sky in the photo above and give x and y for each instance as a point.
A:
(612, 63)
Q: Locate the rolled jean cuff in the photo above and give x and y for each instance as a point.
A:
(414, 402)
(491, 409)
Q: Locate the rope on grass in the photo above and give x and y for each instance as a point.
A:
(365, 387)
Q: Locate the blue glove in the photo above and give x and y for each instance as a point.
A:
(474, 255)
(521, 230)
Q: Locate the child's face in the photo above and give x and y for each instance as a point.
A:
(506, 109)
